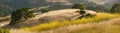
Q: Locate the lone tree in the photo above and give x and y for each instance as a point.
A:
(115, 8)
(20, 15)
(81, 7)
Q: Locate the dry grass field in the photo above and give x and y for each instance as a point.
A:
(110, 26)
(66, 21)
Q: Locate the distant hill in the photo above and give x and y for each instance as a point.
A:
(7, 6)
(56, 15)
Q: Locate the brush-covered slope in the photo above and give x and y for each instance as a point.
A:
(77, 26)
(111, 26)
(57, 15)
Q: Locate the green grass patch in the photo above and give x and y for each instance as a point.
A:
(57, 24)
(4, 31)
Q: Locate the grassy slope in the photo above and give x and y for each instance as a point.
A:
(57, 24)
(109, 26)
(112, 26)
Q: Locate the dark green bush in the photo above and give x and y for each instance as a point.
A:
(87, 15)
(82, 12)
(44, 10)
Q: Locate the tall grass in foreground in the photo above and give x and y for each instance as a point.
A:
(4, 31)
(57, 24)
(100, 29)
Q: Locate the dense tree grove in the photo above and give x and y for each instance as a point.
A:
(21, 14)
(115, 8)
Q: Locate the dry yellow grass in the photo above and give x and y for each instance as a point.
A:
(57, 24)
(111, 26)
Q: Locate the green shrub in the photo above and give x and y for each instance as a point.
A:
(82, 12)
(44, 10)
(4, 31)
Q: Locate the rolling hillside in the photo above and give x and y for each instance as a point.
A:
(67, 14)
(59, 16)
(73, 24)
(109, 26)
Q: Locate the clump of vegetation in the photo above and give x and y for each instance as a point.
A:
(81, 7)
(4, 31)
(44, 10)
(115, 8)
(56, 24)
(82, 10)
(21, 14)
